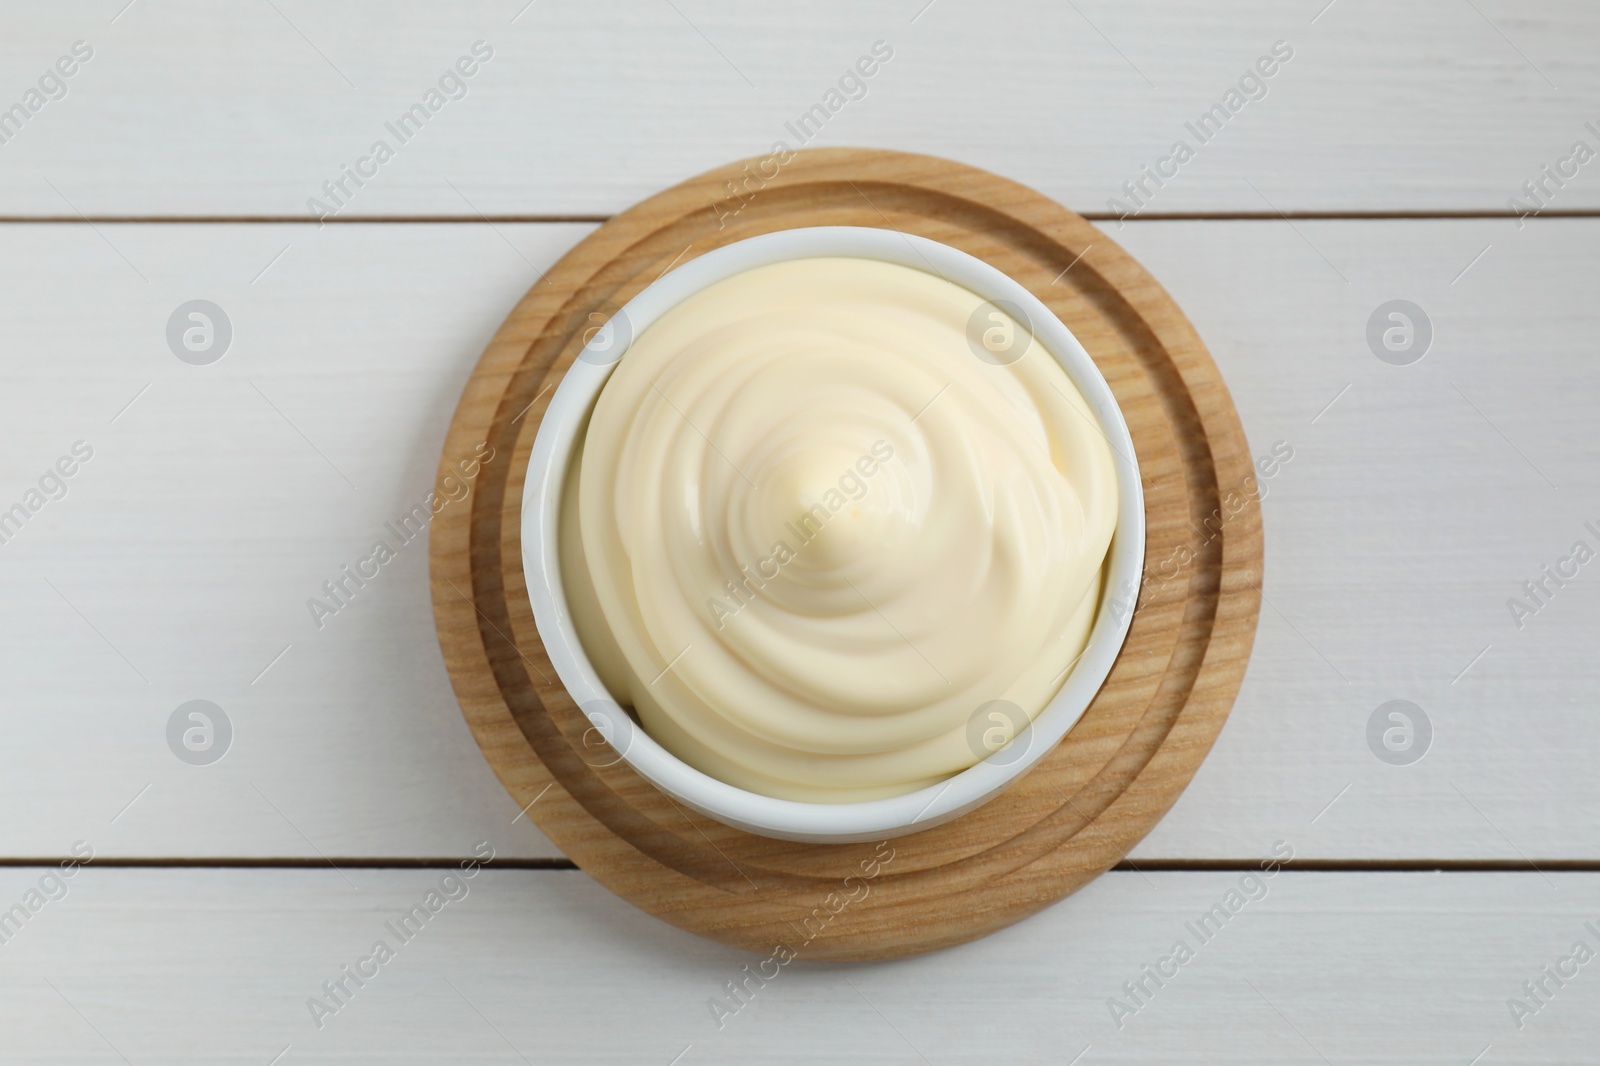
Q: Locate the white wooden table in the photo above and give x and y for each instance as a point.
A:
(1378, 165)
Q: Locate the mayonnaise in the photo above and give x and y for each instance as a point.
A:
(809, 533)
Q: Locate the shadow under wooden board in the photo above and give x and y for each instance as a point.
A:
(1087, 803)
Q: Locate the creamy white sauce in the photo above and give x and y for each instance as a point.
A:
(809, 533)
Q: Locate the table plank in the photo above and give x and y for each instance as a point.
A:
(179, 564)
(218, 966)
(186, 109)
(1420, 500)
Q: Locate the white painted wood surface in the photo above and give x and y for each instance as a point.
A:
(217, 966)
(194, 109)
(219, 498)
(179, 565)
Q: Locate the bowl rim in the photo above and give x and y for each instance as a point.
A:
(797, 819)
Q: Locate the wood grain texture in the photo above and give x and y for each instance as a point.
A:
(1090, 800)
(194, 110)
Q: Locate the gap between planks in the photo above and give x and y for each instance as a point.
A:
(1092, 216)
(1480, 866)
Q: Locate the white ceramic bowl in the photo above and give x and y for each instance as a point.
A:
(791, 819)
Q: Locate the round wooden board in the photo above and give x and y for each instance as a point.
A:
(1086, 803)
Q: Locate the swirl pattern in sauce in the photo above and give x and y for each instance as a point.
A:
(809, 533)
